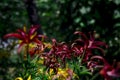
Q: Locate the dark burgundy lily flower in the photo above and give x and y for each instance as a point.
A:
(26, 37)
(115, 72)
(60, 50)
(90, 43)
(86, 45)
(104, 71)
(107, 70)
(78, 49)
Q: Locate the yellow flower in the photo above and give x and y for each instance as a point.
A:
(29, 78)
(40, 71)
(19, 78)
(41, 60)
(48, 45)
(32, 45)
(62, 74)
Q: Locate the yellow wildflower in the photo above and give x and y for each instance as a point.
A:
(40, 71)
(19, 78)
(62, 74)
(47, 45)
(41, 60)
(29, 78)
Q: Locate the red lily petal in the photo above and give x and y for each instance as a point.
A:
(33, 29)
(15, 35)
(99, 43)
(92, 35)
(82, 35)
(104, 71)
(95, 47)
(82, 41)
(22, 32)
(100, 58)
(20, 46)
(42, 36)
(37, 41)
(36, 37)
(113, 73)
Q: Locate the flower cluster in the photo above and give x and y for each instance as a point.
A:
(63, 61)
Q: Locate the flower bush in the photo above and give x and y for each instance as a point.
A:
(79, 59)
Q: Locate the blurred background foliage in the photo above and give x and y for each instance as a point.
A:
(61, 18)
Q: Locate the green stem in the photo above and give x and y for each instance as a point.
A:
(82, 56)
(26, 52)
(94, 77)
